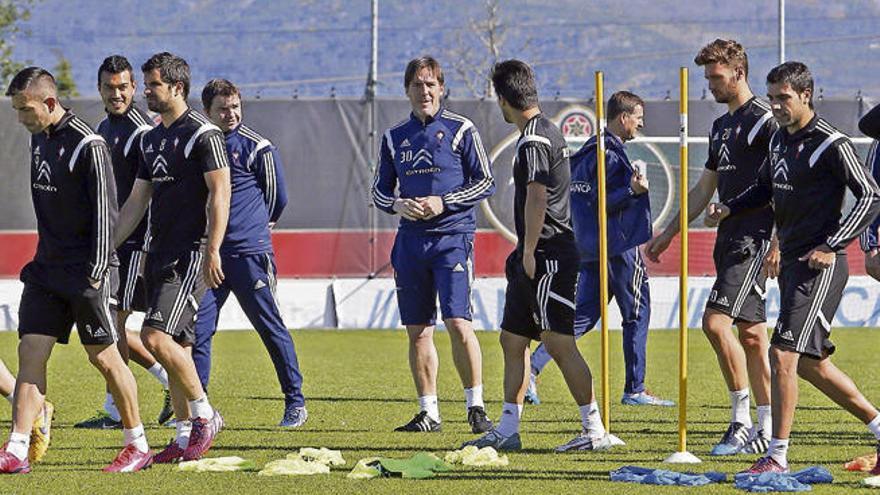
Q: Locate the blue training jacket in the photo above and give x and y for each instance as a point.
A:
(442, 157)
(258, 192)
(629, 215)
(870, 238)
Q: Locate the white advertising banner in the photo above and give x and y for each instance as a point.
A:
(360, 303)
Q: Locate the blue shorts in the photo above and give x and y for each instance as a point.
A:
(426, 265)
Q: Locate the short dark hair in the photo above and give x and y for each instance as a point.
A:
(514, 81)
(726, 52)
(215, 88)
(114, 64)
(795, 74)
(417, 64)
(623, 102)
(172, 69)
(28, 76)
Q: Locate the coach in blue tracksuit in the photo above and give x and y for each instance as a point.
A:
(629, 226)
(258, 198)
(437, 162)
(870, 239)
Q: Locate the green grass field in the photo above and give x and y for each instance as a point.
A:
(358, 388)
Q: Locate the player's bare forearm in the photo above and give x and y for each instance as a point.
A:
(219, 195)
(698, 199)
(535, 211)
(133, 210)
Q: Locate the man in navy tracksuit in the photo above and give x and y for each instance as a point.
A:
(870, 239)
(437, 161)
(629, 226)
(258, 198)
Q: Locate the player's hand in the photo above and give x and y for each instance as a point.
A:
(212, 270)
(715, 213)
(95, 284)
(771, 260)
(528, 262)
(408, 208)
(638, 183)
(656, 246)
(872, 263)
(432, 205)
(819, 258)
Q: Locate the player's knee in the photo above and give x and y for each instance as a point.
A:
(752, 340)
(104, 361)
(460, 330)
(153, 341)
(559, 347)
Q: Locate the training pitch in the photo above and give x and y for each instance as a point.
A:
(358, 388)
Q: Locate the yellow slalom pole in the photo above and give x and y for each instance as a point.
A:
(603, 246)
(682, 281)
(683, 456)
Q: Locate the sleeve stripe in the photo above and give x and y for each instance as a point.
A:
(137, 132)
(483, 184)
(79, 147)
(758, 126)
(532, 139)
(868, 238)
(271, 185)
(218, 148)
(379, 198)
(824, 146)
(858, 213)
(201, 130)
(264, 143)
(460, 134)
(102, 246)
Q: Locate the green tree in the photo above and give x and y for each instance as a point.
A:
(12, 12)
(64, 77)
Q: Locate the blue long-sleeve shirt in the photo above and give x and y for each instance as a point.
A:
(629, 214)
(258, 192)
(870, 239)
(444, 157)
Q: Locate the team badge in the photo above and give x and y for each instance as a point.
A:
(440, 135)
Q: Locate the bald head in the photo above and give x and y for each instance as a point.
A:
(35, 99)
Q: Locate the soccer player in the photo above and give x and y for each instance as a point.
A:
(542, 271)
(258, 198)
(41, 429)
(870, 239)
(121, 131)
(737, 148)
(629, 226)
(810, 166)
(71, 277)
(184, 178)
(437, 160)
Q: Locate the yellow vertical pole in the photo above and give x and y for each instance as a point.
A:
(603, 246)
(682, 282)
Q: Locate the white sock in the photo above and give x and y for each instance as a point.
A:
(778, 450)
(765, 419)
(201, 408)
(428, 403)
(110, 407)
(473, 397)
(184, 428)
(18, 445)
(159, 372)
(739, 407)
(874, 426)
(11, 396)
(591, 420)
(509, 422)
(137, 437)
